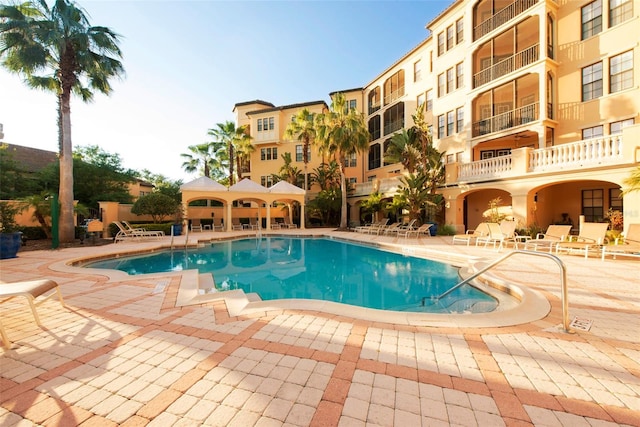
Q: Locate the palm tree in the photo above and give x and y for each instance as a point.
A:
(303, 129)
(326, 175)
(341, 132)
(404, 149)
(232, 137)
(288, 172)
(243, 150)
(632, 183)
(200, 159)
(413, 195)
(56, 49)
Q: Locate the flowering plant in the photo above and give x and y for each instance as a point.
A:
(616, 219)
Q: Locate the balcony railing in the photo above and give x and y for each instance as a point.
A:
(393, 126)
(393, 95)
(582, 153)
(502, 16)
(485, 169)
(517, 117)
(506, 66)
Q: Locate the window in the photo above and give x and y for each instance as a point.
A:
(420, 100)
(374, 100)
(441, 126)
(266, 181)
(352, 160)
(594, 132)
(269, 153)
(616, 127)
(621, 72)
(300, 151)
(615, 199)
(394, 118)
(450, 80)
(374, 156)
(394, 87)
(592, 81)
(449, 37)
(440, 44)
(266, 124)
(374, 128)
(272, 121)
(440, 85)
(459, 31)
(429, 100)
(619, 11)
(591, 19)
(459, 119)
(352, 181)
(417, 71)
(351, 105)
(459, 75)
(450, 158)
(593, 205)
(450, 122)
(459, 155)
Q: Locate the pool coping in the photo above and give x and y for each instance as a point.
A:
(533, 305)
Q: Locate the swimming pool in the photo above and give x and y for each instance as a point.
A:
(318, 268)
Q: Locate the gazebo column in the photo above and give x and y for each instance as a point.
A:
(228, 219)
(268, 227)
(302, 217)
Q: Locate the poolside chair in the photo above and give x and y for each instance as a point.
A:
(236, 224)
(549, 239)
(499, 234)
(196, 225)
(592, 236)
(377, 228)
(417, 232)
(30, 290)
(125, 233)
(218, 225)
(472, 235)
(129, 227)
(365, 228)
(392, 229)
(275, 225)
(288, 224)
(629, 245)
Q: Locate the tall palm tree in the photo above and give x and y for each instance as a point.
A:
(243, 150)
(632, 182)
(303, 129)
(200, 159)
(232, 137)
(55, 48)
(341, 132)
(403, 149)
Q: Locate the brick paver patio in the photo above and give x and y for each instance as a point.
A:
(122, 353)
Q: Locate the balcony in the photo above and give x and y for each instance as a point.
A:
(519, 60)
(502, 16)
(512, 118)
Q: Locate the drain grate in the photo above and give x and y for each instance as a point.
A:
(160, 287)
(582, 324)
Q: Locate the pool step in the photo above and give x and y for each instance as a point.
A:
(206, 285)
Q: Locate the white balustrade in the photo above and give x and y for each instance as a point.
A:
(588, 152)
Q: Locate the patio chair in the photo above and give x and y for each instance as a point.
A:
(629, 245)
(196, 225)
(393, 228)
(275, 225)
(125, 233)
(288, 224)
(549, 239)
(236, 224)
(218, 225)
(365, 228)
(129, 227)
(423, 229)
(592, 236)
(375, 229)
(472, 235)
(30, 290)
(499, 234)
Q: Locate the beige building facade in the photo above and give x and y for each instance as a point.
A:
(533, 101)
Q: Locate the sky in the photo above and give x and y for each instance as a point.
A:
(187, 63)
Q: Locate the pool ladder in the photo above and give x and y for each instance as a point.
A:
(563, 281)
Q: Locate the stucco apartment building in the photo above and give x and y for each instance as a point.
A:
(533, 101)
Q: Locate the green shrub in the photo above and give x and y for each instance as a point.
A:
(446, 230)
(33, 233)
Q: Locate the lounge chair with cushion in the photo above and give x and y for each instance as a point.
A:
(376, 228)
(236, 224)
(499, 234)
(218, 225)
(424, 229)
(288, 224)
(629, 245)
(30, 290)
(592, 236)
(129, 233)
(367, 227)
(471, 235)
(549, 239)
(196, 225)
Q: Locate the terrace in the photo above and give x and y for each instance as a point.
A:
(123, 352)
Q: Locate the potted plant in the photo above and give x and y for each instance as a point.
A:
(10, 236)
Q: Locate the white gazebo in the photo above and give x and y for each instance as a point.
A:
(206, 188)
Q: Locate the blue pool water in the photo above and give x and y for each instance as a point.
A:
(318, 268)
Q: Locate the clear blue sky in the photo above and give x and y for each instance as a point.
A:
(189, 62)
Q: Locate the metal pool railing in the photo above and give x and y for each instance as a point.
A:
(563, 281)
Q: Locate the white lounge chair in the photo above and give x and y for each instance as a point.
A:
(592, 236)
(196, 225)
(549, 239)
(499, 234)
(628, 245)
(417, 232)
(471, 235)
(125, 233)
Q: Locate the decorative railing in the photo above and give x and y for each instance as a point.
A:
(502, 16)
(517, 117)
(393, 95)
(485, 169)
(506, 66)
(393, 126)
(577, 154)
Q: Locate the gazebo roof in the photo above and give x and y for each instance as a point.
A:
(283, 187)
(203, 183)
(248, 186)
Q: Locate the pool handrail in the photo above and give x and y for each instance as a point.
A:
(563, 281)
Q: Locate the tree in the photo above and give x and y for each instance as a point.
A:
(632, 183)
(403, 149)
(341, 132)
(413, 195)
(373, 204)
(56, 49)
(303, 129)
(15, 181)
(162, 184)
(327, 176)
(157, 205)
(288, 173)
(200, 159)
(41, 210)
(232, 138)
